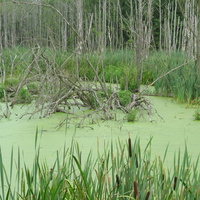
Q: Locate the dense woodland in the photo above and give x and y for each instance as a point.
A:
(153, 24)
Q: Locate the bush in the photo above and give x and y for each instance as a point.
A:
(124, 97)
(147, 77)
(131, 115)
(11, 83)
(91, 98)
(24, 96)
(197, 115)
(128, 78)
(33, 87)
(93, 103)
(112, 74)
(1, 91)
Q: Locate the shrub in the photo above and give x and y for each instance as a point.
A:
(112, 74)
(124, 97)
(197, 115)
(1, 91)
(91, 98)
(33, 87)
(147, 77)
(11, 83)
(131, 115)
(128, 78)
(24, 96)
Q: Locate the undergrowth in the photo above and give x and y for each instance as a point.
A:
(114, 66)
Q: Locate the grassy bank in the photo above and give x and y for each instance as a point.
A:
(121, 170)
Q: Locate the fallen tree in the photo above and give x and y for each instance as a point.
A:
(58, 90)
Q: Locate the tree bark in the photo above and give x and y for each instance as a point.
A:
(140, 41)
(198, 39)
(80, 25)
(1, 45)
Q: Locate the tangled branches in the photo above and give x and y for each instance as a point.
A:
(54, 88)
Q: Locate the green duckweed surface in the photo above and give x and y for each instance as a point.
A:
(177, 129)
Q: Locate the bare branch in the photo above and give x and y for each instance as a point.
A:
(166, 74)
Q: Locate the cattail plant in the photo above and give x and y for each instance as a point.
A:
(114, 174)
(136, 192)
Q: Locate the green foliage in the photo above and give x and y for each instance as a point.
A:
(118, 57)
(197, 115)
(124, 97)
(131, 115)
(112, 74)
(147, 77)
(124, 170)
(2, 91)
(114, 62)
(33, 87)
(182, 83)
(14, 60)
(196, 101)
(24, 96)
(92, 101)
(11, 83)
(128, 78)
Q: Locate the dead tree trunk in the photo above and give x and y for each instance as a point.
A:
(139, 42)
(198, 39)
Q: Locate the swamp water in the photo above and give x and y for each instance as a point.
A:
(177, 129)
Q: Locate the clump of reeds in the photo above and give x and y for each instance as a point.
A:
(182, 84)
(124, 171)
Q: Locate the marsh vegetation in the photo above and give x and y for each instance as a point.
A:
(102, 56)
(121, 171)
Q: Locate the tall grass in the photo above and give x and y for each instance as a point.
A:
(182, 84)
(17, 59)
(122, 170)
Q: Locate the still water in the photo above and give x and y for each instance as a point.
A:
(177, 129)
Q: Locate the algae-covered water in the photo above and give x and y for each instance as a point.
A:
(177, 129)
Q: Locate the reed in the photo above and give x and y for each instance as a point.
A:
(114, 174)
(182, 84)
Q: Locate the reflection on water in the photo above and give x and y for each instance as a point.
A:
(177, 129)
